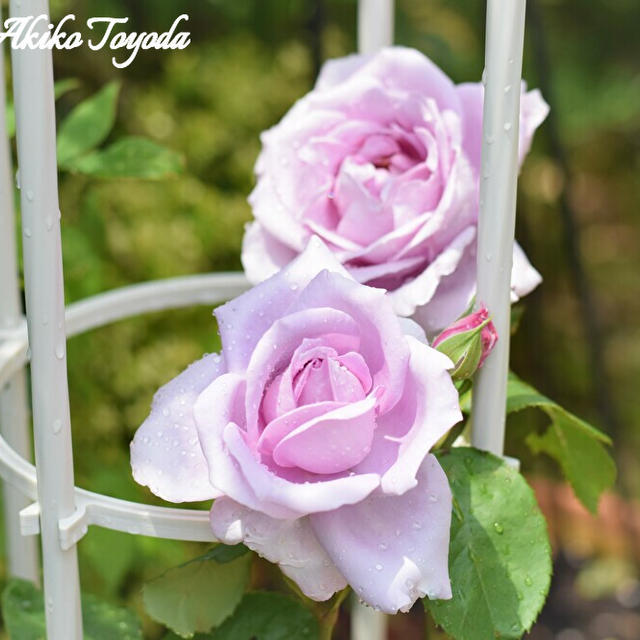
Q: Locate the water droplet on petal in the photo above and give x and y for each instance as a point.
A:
(56, 426)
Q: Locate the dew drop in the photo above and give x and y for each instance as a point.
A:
(49, 223)
(507, 126)
(379, 567)
(56, 426)
(60, 351)
(507, 88)
(528, 581)
(499, 529)
(433, 497)
(30, 195)
(165, 412)
(27, 232)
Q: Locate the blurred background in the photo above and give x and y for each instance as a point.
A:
(578, 220)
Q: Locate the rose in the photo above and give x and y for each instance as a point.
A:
(313, 432)
(468, 342)
(382, 161)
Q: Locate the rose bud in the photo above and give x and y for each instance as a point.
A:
(468, 342)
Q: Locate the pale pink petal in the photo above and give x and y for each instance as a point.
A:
(295, 498)
(330, 443)
(357, 367)
(244, 320)
(335, 71)
(533, 111)
(381, 341)
(219, 405)
(289, 543)
(452, 297)
(276, 347)
(277, 429)
(422, 288)
(408, 70)
(263, 255)
(428, 409)
(524, 277)
(165, 452)
(393, 549)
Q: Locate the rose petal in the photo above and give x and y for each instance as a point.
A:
(533, 111)
(524, 278)
(332, 442)
(244, 320)
(296, 498)
(393, 549)
(452, 296)
(428, 409)
(289, 543)
(276, 347)
(381, 341)
(263, 255)
(421, 289)
(219, 405)
(277, 429)
(165, 452)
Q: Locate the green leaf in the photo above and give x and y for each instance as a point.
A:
(103, 621)
(223, 553)
(198, 595)
(130, 157)
(499, 556)
(268, 616)
(64, 86)
(88, 124)
(573, 443)
(24, 617)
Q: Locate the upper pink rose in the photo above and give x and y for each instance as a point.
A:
(313, 434)
(382, 161)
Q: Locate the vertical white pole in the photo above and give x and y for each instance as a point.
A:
(21, 551)
(503, 68)
(375, 24)
(36, 138)
(375, 31)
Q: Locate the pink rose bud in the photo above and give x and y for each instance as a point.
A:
(468, 342)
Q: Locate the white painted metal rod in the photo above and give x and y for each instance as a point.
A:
(105, 511)
(375, 31)
(21, 552)
(104, 308)
(36, 141)
(503, 70)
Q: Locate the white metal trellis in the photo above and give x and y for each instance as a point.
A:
(42, 499)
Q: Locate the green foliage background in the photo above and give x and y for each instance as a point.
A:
(249, 61)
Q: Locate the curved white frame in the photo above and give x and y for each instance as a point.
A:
(93, 508)
(61, 512)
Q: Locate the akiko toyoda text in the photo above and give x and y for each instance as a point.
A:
(37, 32)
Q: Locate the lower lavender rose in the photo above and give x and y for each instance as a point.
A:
(313, 432)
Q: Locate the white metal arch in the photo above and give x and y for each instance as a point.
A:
(44, 495)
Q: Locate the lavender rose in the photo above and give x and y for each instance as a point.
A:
(312, 432)
(382, 161)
